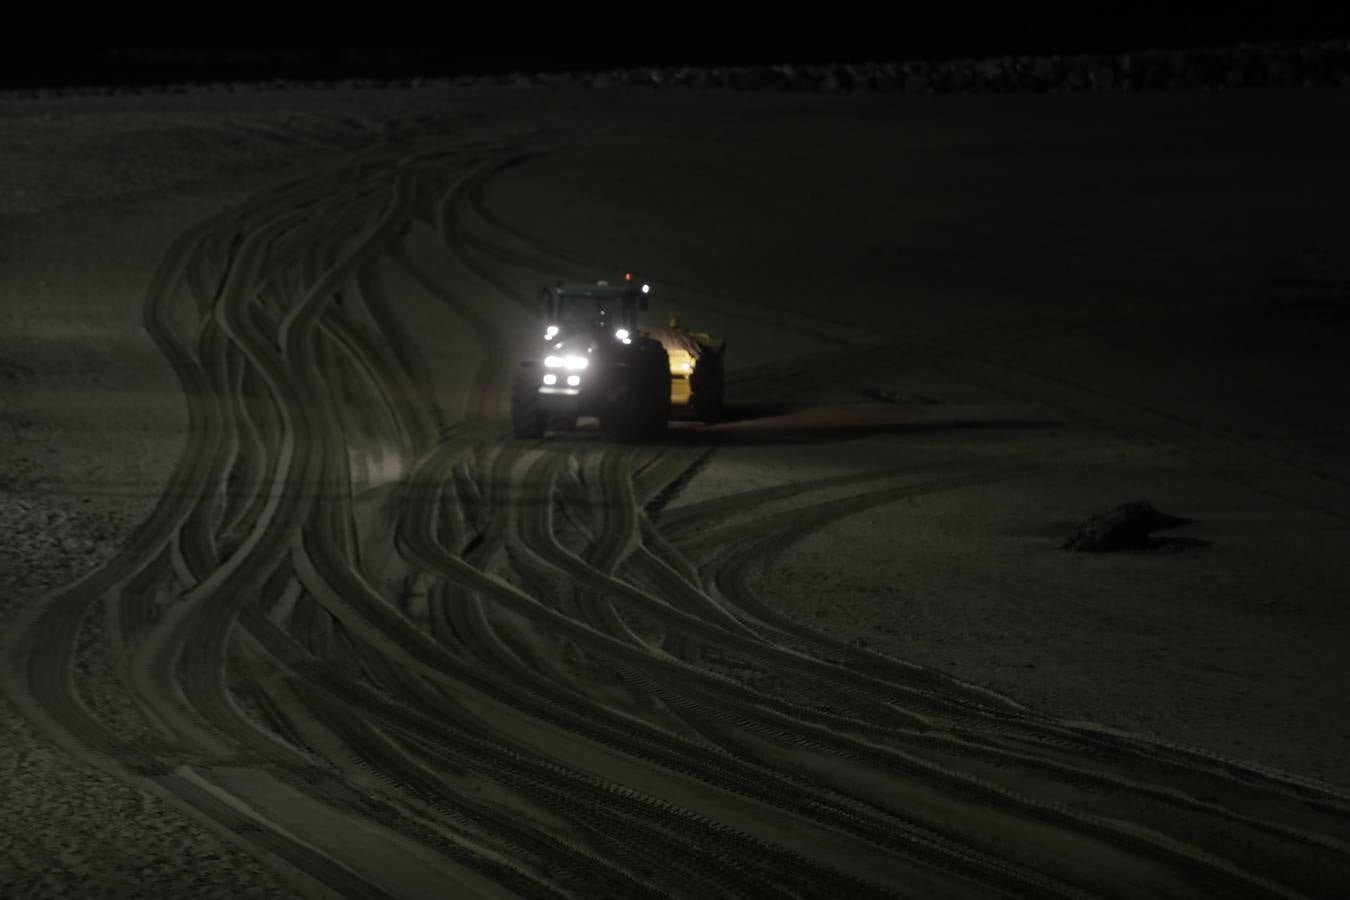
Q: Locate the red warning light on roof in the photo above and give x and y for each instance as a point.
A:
(627, 276)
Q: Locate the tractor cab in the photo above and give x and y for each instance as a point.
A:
(601, 310)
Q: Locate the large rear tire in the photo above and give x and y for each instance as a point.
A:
(527, 419)
(707, 388)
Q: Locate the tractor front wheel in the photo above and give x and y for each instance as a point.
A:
(639, 407)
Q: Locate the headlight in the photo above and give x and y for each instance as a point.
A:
(550, 332)
(566, 362)
(621, 334)
(573, 380)
(550, 379)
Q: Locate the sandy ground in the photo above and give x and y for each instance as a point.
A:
(957, 326)
(1162, 279)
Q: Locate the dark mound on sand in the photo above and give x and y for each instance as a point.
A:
(1129, 526)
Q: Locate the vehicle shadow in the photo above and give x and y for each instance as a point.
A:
(762, 425)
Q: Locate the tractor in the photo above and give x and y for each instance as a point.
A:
(597, 361)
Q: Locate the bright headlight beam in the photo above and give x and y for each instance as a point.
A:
(622, 334)
(573, 380)
(550, 379)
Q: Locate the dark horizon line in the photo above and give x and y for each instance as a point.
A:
(37, 66)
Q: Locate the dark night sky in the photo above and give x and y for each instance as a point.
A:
(193, 40)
